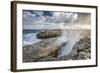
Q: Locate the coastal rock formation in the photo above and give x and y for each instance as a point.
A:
(83, 49)
(51, 44)
(80, 51)
(48, 51)
(49, 34)
(43, 49)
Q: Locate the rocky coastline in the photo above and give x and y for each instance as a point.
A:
(47, 49)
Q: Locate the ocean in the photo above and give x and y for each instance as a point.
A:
(29, 37)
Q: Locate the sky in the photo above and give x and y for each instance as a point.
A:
(47, 19)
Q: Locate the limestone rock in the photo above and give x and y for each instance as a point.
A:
(42, 49)
(48, 34)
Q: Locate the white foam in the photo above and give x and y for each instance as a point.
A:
(73, 37)
(29, 39)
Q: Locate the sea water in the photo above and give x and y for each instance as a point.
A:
(29, 37)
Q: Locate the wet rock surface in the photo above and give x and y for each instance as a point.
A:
(48, 48)
(48, 34)
(83, 49)
(41, 50)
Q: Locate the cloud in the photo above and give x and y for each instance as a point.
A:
(64, 17)
(28, 18)
(40, 13)
(32, 19)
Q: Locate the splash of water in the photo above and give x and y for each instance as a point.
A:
(30, 38)
(71, 37)
(63, 38)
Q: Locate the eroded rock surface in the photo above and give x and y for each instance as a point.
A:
(49, 34)
(42, 49)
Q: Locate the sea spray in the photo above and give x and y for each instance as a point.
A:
(64, 36)
(71, 36)
(30, 38)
